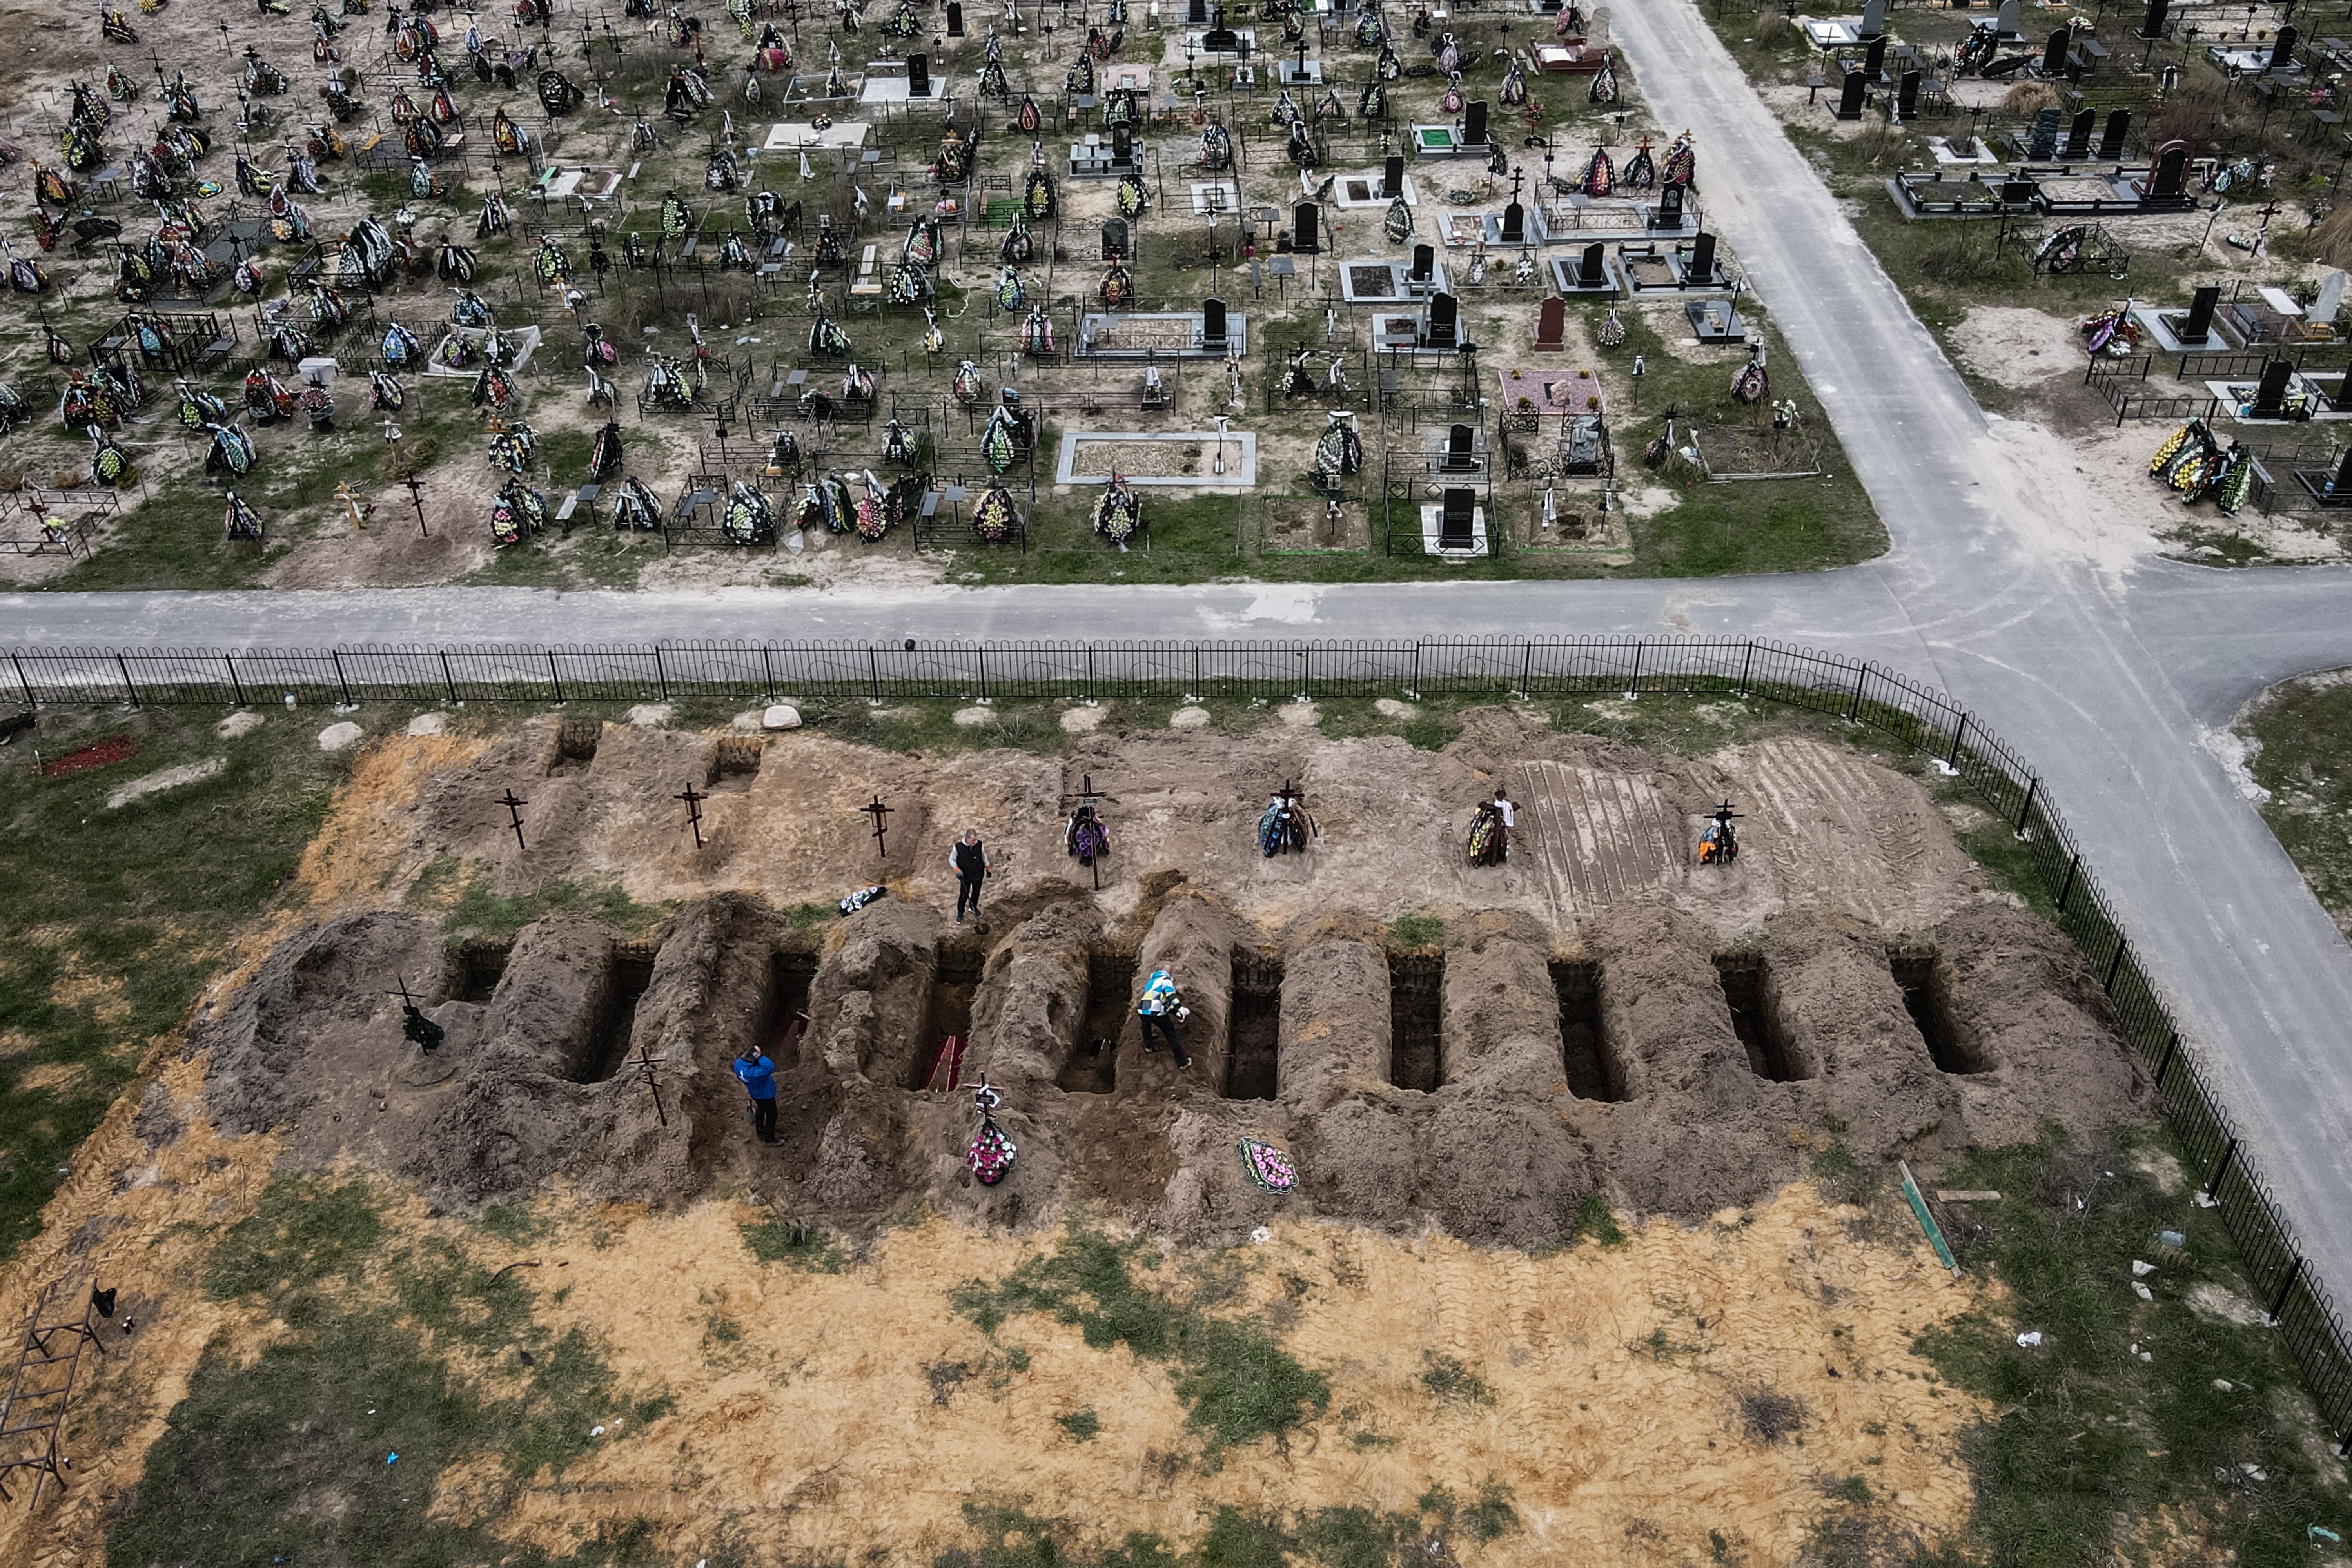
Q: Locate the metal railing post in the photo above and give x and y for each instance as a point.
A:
(2114, 964)
(2229, 1152)
(2025, 812)
(2278, 1302)
(874, 674)
(342, 683)
(1952, 759)
(555, 675)
(1746, 662)
(124, 665)
(1306, 670)
(1634, 681)
(2067, 886)
(982, 652)
(661, 675)
(1854, 708)
(448, 679)
(237, 687)
(2171, 1047)
(1528, 671)
(21, 680)
(767, 672)
(1414, 691)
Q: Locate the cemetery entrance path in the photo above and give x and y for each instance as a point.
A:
(2112, 671)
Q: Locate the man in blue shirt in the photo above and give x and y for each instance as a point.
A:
(1160, 1008)
(759, 1076)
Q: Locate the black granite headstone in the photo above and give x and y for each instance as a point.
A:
(1702, 258)
(1459, 454)
(1114, 240)
(2282, 51)
(1474, 123)
(2199, 324)
(2053, 53)
(1850, 97)
(1393, 177)
(2171, 165)
(2078, 136)
(1906, 96)
(1220, 41)
(2270, 397)
(1515, 225)
(1874, 60)
(1444, 320)
(1670, 209)
(955, 18)
(1592, 266)
(2042, 142)
(1212, 324)
(2152, 24)
(2111, 140)
(918, 75)
(1122, 147)
(2341, 485)
(1425, 262)
(1196, 13)
(1305, 228)
(1456, 514)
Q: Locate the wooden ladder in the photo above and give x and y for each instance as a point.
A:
(33, 1412)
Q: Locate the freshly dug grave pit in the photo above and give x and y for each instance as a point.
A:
(1651, 1036)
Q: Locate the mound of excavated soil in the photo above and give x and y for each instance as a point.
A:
(1598, 1018)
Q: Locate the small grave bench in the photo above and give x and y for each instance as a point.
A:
(869, 274)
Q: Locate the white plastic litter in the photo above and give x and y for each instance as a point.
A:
(2031, 1340)
(595, 1431)
(2142, 1292)
(1261, 1235)
(2225, 1385)
(2142, 1271)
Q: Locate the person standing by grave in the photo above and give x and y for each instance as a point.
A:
(758, 1077)
(1161, 1008)
(970, 858)
(1502, 804)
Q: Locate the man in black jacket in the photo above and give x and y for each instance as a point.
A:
(969, 858)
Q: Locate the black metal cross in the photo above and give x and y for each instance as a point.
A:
(514, 809)
(645, 1061)
(1084, 796)
(414, 1024)
(416, 498)
(1287, 795)
(878, 811)
(694, 799)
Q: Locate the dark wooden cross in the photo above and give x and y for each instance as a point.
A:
(694, 799)
(878, 811)
(645, 1061)
(1287, 795)
(414, 1024)
(1516, 178)
(416, 498)
(514, 809)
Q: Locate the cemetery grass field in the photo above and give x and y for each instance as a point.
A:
(2077, 1453)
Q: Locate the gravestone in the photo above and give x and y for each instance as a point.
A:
(2282, 52)
(2042, 140)
(2171, 166)
(1906, 96)
(1122, 147)
(1874, 20)
(1460, 449)
(2017, 190)
(2341, 485)
(2078, 136)
(1874, 60)
(1393, 177)
(1196, 13)
(918, 75)
(1303, 237)
(1702, 260)
(1850, 97)
(1515, 225)
(1456, 514)
(1591, 267)
(1212, 324)
(1444, 320)
(2111, 140)
(1670, 209)
(1114, 240)
(2270, 397)
(1552, 322)
(1220, 41)
(2199, 326)
(1424, 261)
(2053, 53)
(2331, 300)
(955, 18)
(2152, 24)
(2004, 22)
(1474, 123)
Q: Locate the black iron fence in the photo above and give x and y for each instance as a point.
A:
(1862, 693)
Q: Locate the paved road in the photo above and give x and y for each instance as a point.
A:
(2109, 675)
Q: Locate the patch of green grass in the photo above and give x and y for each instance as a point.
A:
(2304, 731)
(810, 1250)
(1448, 1378)
(482, 912)
(116, 919)
(1005, 1534)
(1236, 1382)
(1595, 1219)
(292, 1459)
(1416, 930)
(2092, 1446)
(1082, 1424)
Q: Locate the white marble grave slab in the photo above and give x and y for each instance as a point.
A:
(794, 135)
